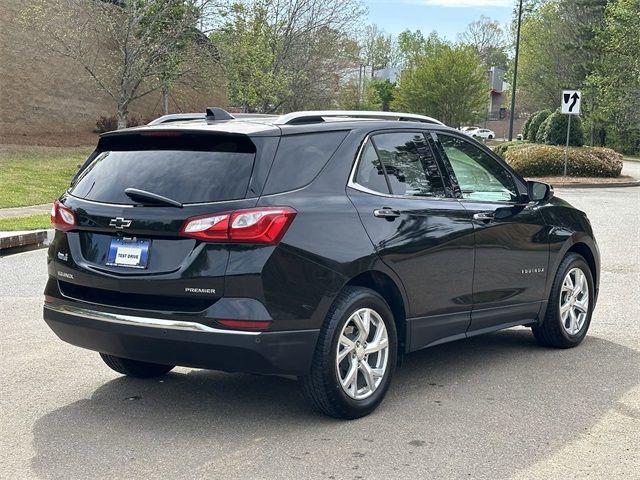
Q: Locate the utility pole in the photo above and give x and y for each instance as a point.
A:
(515, 74)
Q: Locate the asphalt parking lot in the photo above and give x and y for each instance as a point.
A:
(492, 407)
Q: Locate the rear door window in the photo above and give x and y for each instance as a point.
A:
(300, 158)
(409, 164)
(194, 169)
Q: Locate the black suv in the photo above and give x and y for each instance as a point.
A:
(324, 245)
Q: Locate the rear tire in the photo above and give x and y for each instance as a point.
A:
(355, 356)
(135, 368)
(570, 307)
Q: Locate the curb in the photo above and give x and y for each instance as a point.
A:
(12, 212)
(597, 185)
(11, 242)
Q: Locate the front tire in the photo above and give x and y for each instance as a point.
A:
(355, 356)
(135, 368)
(570, 307)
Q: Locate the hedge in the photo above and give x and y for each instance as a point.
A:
(525, 128)
(536, 121)
(548, 161)
(502, 148)
(554, 130)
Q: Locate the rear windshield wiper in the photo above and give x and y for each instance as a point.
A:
(143, 195)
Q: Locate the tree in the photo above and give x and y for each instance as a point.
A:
(413, 46)
(489, 40)
(244, 44)
(356, 94)
(385, 92)
(616, 76)
(557, 51)
(285, 55)
(129, 49)
(448, 84)
(377, 49)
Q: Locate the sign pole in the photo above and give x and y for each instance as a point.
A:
(566, 148)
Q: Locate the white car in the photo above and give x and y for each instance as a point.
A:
(483, 133)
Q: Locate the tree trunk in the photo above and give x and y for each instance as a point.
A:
(165, 100)
(122, 117)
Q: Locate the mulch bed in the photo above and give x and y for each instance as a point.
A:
(558, 181)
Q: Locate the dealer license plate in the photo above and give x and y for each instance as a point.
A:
(127, 252)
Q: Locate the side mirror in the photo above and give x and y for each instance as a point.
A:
(539, 192)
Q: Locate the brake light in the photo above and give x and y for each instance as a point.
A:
(62, 218)
(246, 324)
(254, 225)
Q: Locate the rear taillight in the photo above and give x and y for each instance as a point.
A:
(62, 218)
(255, 225)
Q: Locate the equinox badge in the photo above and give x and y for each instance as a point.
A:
(119, 223)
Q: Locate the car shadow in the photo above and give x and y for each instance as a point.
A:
(496, 397)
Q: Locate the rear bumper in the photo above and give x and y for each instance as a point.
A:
(188, 344)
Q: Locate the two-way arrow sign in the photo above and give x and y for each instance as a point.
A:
(571, 101)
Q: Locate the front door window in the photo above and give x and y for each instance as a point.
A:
(479, 176)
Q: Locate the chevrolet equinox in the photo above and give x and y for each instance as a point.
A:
(324, 245)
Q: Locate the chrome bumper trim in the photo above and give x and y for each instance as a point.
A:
(142, 321)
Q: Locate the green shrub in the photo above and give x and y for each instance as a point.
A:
(525, 127)
(548, 161)
(554, 130)
(108, 124)
(539, 138)
(536, 121)
(502, 148)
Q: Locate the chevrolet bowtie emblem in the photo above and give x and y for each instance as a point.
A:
(119, 223)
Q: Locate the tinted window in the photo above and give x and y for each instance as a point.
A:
(300, 158)
(409, 163)
(370, 174)
(479, 176)
(188, 176)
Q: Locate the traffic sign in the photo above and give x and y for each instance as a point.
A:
(571, 101)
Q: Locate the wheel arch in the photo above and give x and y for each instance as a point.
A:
(384, 285)
(585, 252)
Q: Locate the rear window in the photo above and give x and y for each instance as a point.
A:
(189, 168)
(300, 158)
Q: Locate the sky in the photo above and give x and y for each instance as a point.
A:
(447, 17)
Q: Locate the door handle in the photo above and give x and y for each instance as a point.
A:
(386, 213)
(484, 216)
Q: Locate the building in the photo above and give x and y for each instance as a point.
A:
(48, 99)
(498, 100)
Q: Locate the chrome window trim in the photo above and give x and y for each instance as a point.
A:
(356, 186)
(150, 322)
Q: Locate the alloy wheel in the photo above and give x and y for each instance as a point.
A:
(574, 301)
(363, 354)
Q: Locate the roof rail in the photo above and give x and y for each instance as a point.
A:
(315, 116)
(177, 117)
(212, 114)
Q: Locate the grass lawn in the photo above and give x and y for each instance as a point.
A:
(632, 158)
(33, 175)
(32, 222)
